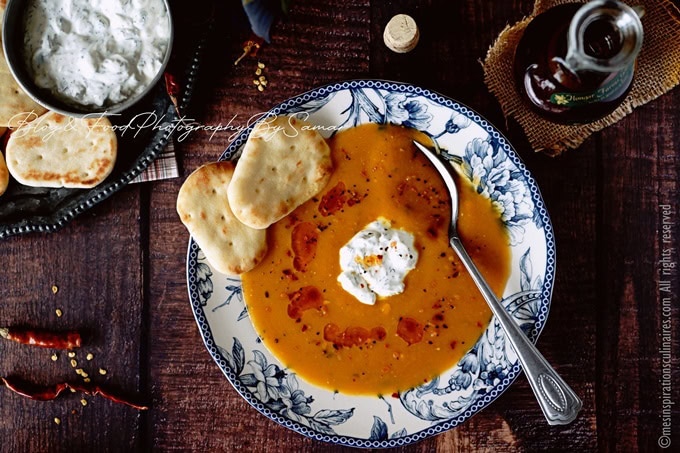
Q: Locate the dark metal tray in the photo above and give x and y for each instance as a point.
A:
(38, 209)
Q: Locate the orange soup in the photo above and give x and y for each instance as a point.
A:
(323, 333)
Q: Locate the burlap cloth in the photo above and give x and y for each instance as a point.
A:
(657, 72)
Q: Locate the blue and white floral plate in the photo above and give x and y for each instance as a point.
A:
(489, 368)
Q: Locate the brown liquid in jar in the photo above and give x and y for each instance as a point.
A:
(553, 90)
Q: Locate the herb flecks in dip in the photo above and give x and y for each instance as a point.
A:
(95, 53)
(321, 331)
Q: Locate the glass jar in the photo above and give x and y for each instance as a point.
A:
(575, 62)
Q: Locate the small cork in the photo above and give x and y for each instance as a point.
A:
(401, 34)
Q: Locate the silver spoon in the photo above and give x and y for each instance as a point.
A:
(557, 400)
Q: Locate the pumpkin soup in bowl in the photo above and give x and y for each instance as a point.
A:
(360, 292)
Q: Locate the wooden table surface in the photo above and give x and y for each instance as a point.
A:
(120, 267)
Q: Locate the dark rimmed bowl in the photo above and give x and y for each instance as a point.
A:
(13, 33)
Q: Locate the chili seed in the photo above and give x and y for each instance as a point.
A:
(102, 371)
(258, 71)
(54, 357)
(79, 371)
(57, 420)
(256, 82)
(71, 354)
(89, 356)
(58, 312)
(260, 88)
(87, 379)
(74, 363)
(260, 65)
(83, 402)
(55, 289)
(84, 374)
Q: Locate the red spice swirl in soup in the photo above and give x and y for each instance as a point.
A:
(434, 313)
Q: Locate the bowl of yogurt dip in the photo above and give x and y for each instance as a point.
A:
(83, 57)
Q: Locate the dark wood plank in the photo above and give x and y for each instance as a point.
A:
(639, 173)
(95, 263)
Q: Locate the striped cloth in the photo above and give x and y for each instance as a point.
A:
(164, 167)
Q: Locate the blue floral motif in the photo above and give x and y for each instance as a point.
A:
(298, 403)
(455, 124)
(406, 110)
(280, 391)
(486, 160)
(268, 378)
(203, 280)
(379, 431)
(485, 366)
(462, 377)
(397, 108)
(236, 358)
(494, 176)
(361, 105)
(235, 290)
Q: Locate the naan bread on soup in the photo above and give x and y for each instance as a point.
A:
(15, 105)
(285, 162)
(59, 151)
(230, 246)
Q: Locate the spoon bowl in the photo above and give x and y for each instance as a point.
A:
(559, 403)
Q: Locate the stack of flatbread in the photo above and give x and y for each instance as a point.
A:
(46, 149)
(56, 151)
(227, 207)
(13, 100)
(59, 151)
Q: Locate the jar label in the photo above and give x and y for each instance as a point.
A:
(608, 91)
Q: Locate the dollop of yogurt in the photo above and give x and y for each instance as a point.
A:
(95, 53)
(376, 260)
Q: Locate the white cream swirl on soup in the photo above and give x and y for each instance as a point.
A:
(376, 260)
(95, 53)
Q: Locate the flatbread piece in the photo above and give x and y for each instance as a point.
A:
(59, 151)
(230, 246)
(285, 162)
(15, 105)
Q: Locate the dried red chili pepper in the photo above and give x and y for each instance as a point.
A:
(250, 48)
(41, 338)
(49, 393)
(173, 89)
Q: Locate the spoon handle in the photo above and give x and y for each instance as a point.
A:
(557, 400)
